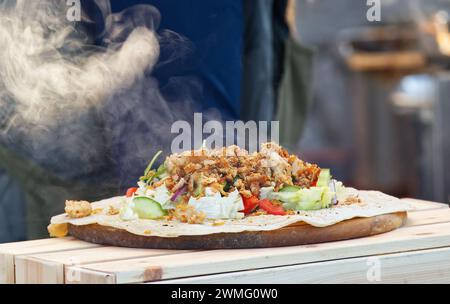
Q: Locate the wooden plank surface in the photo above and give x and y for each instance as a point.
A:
(57, 260)
(9, 252)
(428, 217)
(421, 205)
(50, 268)
(416, 267)
(220, 261)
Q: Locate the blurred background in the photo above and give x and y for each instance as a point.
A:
(367, 98)
(380, 94)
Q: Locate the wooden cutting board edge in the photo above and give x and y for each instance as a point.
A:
(298, 234)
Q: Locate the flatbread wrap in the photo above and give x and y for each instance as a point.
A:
(229, 198)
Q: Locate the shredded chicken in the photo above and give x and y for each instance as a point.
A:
(113, 211)
(58, 230)
(78, 209)
(350, 200)
(188, 214)
(231, 168)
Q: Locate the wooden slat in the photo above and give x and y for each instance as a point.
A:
(219, 261)
(421, 205)
(415, 267)
(50, 268)
(9, 252)
(93, 277)
(62, 252)
(427, 217)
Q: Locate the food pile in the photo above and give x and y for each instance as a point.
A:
(229, 183)
(228, 190)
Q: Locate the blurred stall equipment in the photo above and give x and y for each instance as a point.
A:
(381, 48)
(421, 101)
(379, 117)
(386, 149)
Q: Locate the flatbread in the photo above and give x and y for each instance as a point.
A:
(374, 203)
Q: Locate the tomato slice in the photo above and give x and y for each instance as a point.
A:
(314, 183)
(250, 204)
(131, 191)
(270, 208)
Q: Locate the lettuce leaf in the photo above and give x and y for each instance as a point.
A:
(314, 198)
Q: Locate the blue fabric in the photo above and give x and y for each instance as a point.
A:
(205, 78)
(107, 153)
(12, 213)
(215, 29)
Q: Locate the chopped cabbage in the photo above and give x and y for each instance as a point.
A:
(127, 212)
(217, 207)
(264, 192)
(160, 195)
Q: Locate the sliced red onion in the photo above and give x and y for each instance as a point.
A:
(177, 193)
(180, 184)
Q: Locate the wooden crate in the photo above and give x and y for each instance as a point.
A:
(417, 252)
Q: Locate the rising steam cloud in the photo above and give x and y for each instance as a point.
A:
(45, 70)
(78, 110)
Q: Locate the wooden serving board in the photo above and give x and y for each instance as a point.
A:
(417, 252)
(297, 234)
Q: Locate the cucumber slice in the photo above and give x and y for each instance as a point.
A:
(314, 198)
(290, 189)
(148, 209)
(309, 205)
(324, 178)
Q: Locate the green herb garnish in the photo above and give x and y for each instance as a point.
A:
(150, 174)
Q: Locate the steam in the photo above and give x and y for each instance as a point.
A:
(48, 74)
(80, 110)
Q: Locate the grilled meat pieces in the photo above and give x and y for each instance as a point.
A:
(233, 168)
